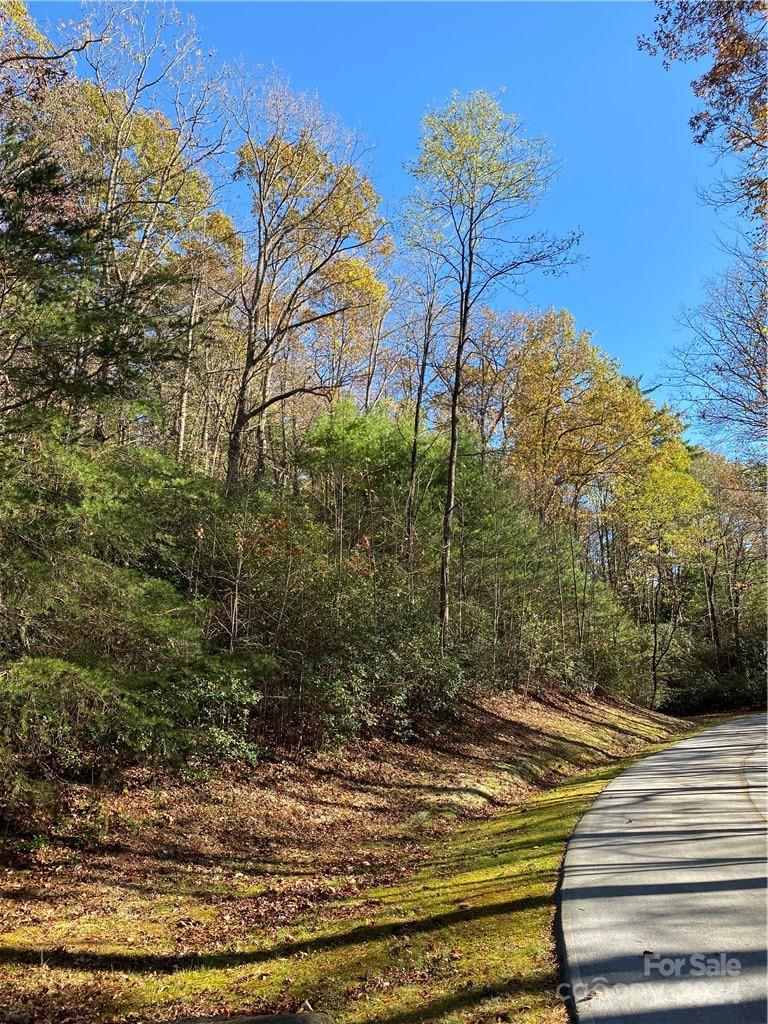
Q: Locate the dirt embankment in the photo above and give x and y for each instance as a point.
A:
(175, 871)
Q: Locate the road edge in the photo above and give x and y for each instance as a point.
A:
(580, 1014)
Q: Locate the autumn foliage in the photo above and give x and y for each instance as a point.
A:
(275, 473)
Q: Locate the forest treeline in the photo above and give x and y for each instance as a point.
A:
(276, 471)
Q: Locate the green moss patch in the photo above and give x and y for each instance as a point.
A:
(465, 937)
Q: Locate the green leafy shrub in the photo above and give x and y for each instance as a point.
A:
(63, 721)
(699, 688)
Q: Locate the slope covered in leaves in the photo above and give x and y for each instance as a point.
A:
(363, 882)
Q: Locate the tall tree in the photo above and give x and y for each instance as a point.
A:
(722, 369)
(730, 38)
(423, 315)
(661, 507)
(313, 214)
(477, 178)
(134, 183)
(48, 256)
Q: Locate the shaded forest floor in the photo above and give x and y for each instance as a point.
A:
(388, 882)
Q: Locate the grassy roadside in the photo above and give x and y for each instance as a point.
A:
(465, 937)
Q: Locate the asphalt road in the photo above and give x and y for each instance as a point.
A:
(663, 899)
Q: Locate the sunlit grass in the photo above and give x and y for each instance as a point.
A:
(467, 938)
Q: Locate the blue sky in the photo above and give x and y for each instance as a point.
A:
(571, 71)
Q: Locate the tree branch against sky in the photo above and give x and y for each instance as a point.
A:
(721, 369)
(313, 214)
(285, 466)
(731, 38)
(478, 180)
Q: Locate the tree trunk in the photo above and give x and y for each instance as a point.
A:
(450, 497)
(714, 623)
(655, 606)
(453, 451)
(235, 445)
(410, 504)
(373, 355)
(261, 425)
(187, 376)
(561, 599)
(240, 417)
